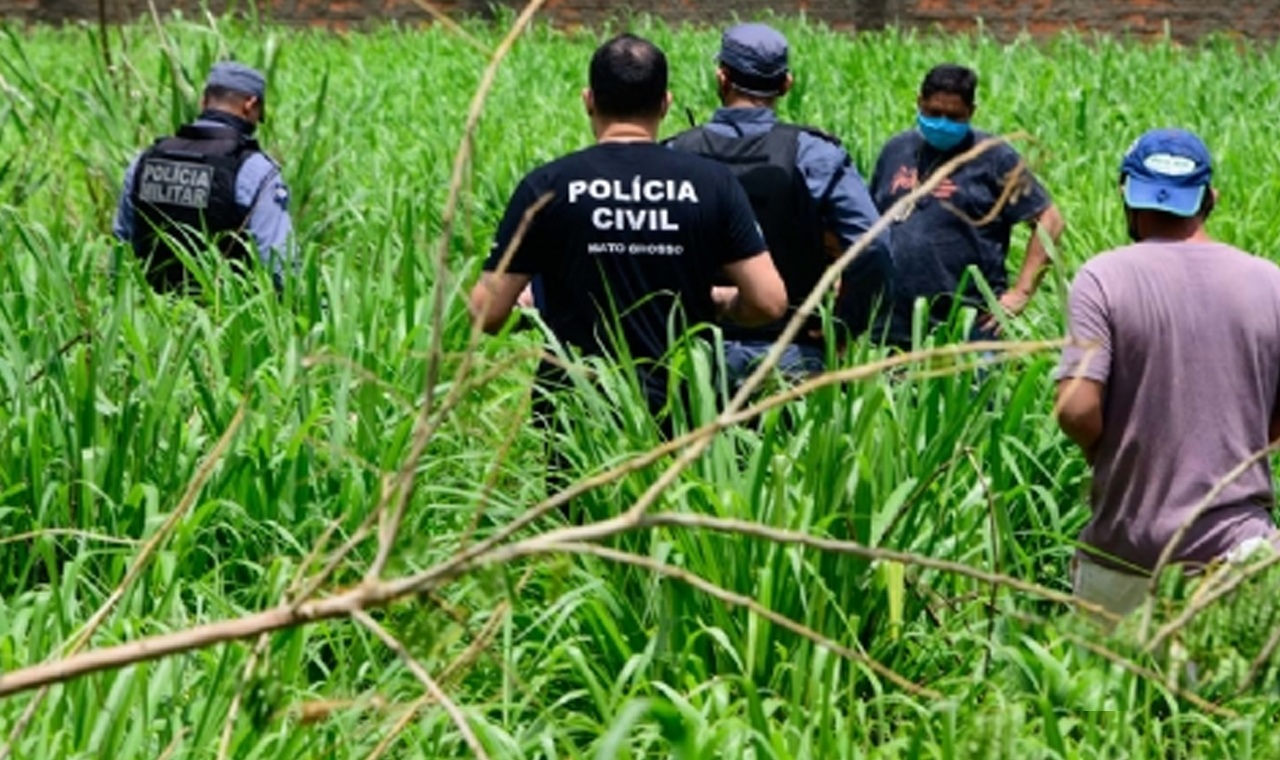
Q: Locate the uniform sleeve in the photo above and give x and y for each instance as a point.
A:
(260, 186)
(1029, 198)
(532, 255)
(1088, 322)
(122, 225)
(743, 236)
(848, 212)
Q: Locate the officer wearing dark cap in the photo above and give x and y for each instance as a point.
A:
(807, 195)
(209, 183)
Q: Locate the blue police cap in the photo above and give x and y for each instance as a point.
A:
(238, 78)
(1166, 170)
(756, 58)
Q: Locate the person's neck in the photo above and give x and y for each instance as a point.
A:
(626, 132)
(211, 113)
(1156, 229)
(736, 100)
(1198, 235)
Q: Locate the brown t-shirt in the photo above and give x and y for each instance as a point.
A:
(1188, 347)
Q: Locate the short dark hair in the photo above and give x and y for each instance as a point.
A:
(951, 78)
(628, 78)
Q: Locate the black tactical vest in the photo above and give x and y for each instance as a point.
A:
(184, 194)
(765, 165)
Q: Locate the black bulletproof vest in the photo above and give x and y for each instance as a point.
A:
(765, 165)
(184, 194)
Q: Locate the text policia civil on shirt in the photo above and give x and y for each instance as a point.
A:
(639, 190)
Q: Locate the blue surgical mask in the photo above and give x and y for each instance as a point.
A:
(941, 132)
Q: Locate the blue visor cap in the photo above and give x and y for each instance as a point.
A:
(240, 78)
(1167, 170)
(756, 56)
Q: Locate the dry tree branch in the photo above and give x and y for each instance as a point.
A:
(1127, 664)
(173, 745)
(433, 688)
(853, 548)
(1172, 546)
(70, 532)
(1004, 350)
(1208, 599)
(495, 469)
(488, 552)
(246, 677)
(264, 641)
(430, 419)
(409, 714)
(364, 374)
(423, 430)
(1259, 662)
(738, 600)
(995, 546)
(797, 321)
(140, 562)
(443, 19)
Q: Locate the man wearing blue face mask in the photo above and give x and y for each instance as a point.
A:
(968, 219)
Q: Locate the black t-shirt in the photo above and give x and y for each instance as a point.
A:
(633, 235)
(944, 233)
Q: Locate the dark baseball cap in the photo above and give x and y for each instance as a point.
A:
(238, 77)
(1167, 170)
(756, 58)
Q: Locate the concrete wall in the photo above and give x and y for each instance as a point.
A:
(1186, 19)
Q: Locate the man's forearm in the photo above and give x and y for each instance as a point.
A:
(1037, 261)
(1034, 266)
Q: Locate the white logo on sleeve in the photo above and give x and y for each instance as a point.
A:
(1169, 165)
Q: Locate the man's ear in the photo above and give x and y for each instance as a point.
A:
(666, 105)
(589, 101)
(786, 85)
(1209, 203)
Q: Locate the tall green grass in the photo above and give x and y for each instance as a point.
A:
(113, 397)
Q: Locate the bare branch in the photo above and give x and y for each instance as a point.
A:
(400, 726)
(198, 480)
(433, 688)
(1129, 665)
(1172, 546)
(1208, 599)
(738, 600)
(1259, 662)
(852, 548)
(174, 744)
(1004, 350)
(423, 429)
(443, 19)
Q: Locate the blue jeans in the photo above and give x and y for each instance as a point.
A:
(797, 362)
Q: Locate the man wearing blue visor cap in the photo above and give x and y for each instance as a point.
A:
(1171, 382)
(1166, 170)
(805, 191)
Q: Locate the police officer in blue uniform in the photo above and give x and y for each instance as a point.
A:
(209, 183)
(808, 196)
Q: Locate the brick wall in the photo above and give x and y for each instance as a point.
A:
(1186, 19)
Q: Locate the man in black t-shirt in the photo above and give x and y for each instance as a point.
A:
(633, 234)
(967, 220)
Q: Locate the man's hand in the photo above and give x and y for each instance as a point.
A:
(1012, 303)
(722, 296)
(761, 295)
